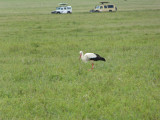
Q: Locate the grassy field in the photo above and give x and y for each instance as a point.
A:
(41, 77)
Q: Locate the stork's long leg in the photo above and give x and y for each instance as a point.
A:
(92, 65)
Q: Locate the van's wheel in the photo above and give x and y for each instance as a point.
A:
(68, 12)
(91, 11)
(110, 10)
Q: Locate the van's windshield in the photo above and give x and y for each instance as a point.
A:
(97, 7)
(68, 7)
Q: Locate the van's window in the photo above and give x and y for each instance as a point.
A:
(110, 6)
(61, 8)
(64, 8)
(58, 8)
(101, 7)
(105, 6)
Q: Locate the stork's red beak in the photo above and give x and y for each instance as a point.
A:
(80, 57)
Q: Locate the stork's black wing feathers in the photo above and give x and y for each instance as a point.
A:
(98, 58)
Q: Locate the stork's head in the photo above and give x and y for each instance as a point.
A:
(80, 54)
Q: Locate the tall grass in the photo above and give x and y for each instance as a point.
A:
(41, 76)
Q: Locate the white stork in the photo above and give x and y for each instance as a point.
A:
(91, 57)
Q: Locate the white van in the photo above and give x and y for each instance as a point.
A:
(63, 8)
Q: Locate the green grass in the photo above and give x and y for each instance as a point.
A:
(41, 76)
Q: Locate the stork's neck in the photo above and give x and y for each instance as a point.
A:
(81, 54)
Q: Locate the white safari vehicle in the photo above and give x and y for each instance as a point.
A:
(62, 8)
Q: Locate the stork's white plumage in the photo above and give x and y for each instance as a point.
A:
(91, 57)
